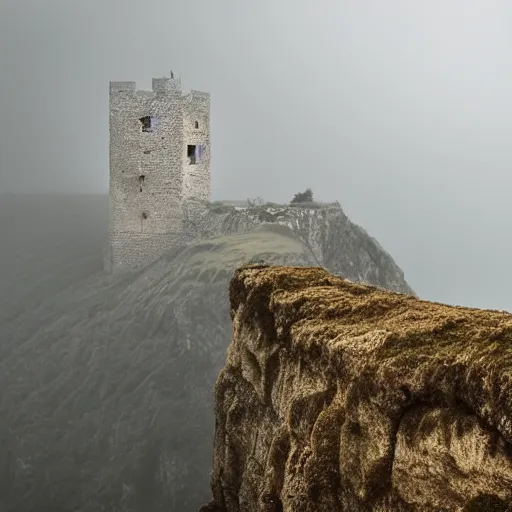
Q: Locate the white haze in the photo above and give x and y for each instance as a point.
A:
(401, 110)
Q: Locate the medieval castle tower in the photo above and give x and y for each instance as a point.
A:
(159, 157)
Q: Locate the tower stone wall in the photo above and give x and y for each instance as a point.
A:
(196, 131)
(159, 156)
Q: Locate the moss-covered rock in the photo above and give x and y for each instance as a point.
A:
(338, 396)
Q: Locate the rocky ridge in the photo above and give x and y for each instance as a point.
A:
(330, 238)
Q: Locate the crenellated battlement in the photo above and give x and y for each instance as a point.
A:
(162, 85)
(200, 95)
(120, 87)
(167, 85)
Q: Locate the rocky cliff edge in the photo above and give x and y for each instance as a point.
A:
(330, 239)
(343, 397)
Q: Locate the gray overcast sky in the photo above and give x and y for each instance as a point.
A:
(400, 109)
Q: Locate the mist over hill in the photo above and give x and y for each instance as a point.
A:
(107, 380)
(48, 242)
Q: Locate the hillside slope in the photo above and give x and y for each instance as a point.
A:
(107, 385)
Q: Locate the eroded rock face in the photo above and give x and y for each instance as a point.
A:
(343, 397)
(330, 238)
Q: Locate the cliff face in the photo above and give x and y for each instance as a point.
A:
(343, 397)
(329, 237)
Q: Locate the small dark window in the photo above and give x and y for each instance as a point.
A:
(146, 123)
(195, 153)
(147, 152)
(141, 181)
(191, 154)
(144, 215)
(196, 124)
(149, 123)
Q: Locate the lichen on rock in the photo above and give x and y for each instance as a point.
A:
(341, 397)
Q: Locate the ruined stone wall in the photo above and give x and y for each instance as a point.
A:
(196, 131)
(342, 397)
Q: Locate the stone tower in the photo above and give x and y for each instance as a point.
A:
(159, 157)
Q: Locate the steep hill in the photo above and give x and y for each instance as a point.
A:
(107, 385)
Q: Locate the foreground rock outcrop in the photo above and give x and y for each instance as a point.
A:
(343, 397)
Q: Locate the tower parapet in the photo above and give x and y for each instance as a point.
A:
(166, 85)
(126, 87)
